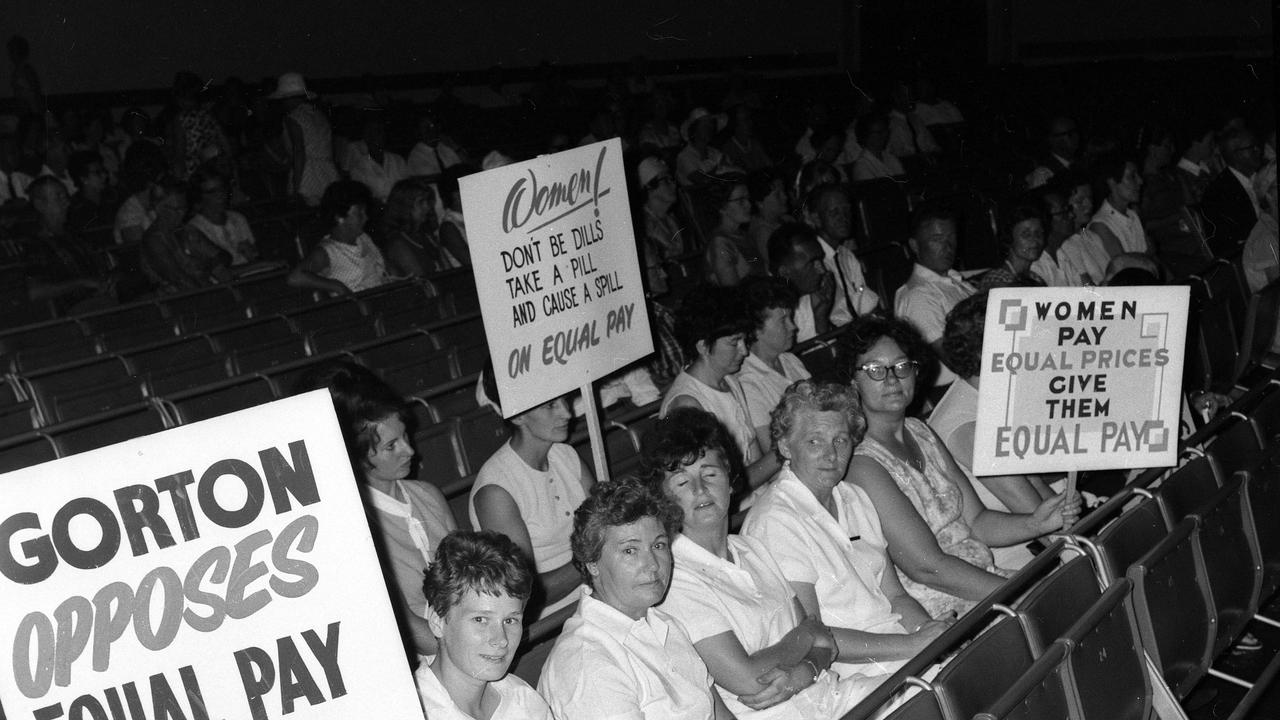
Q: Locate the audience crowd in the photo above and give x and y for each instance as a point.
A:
(736, 573)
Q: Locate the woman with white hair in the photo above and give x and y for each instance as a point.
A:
(1261, 250)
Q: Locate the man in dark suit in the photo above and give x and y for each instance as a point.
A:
(1229, 207)
(1063, 140)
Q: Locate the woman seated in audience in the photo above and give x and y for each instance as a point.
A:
(769, 200)
(173, 258)
(476, 589)
(826, 537)
(662, 234)
(1261, 257)
(936, 529)
(1053, 265)
(142, 172)
(700, 159)
(528, 490)
(192, 135)
(743, 148)
(409, 516)
(769, 368)
(729, 594)
(953, 421)
(1116, 222)
(1023, 239)
(875, 160)
(453, 228)
(730, 255)
(659, 134)
(812, 175)
(215, 223)
(712, 330)
(619, 656)
(1083, 251)
(407, 231)
(1162, 190)
(346, 260)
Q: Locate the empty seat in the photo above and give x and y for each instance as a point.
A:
(452, 400)
(921, 706)
(1105, 664)
(459, 287)
(420, 373)
(206, 309)
(1057, 601)
(83, 388)
(259, 358)
(1172, 608)
(881, 211)
(394, 351)
(1038, 694)
(218, 399)
(439, 454)
(980, 673)
(329, 314)
(251, 333)
(463, 332)
(470, 359)
(57, 332)
(1236, 447)
(25, 450)
(481, 432)
(342, 337)
(1129, 537)
(108, 428)
(887, 268)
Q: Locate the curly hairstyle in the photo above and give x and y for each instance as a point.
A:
(679, 439)
(962, 338)
(719, 188)
(1020, 213)
(483, 562)
(340, 197)
(867, 330)
(398, 214)
(621, 502)
(707, 314)
(805, 396)
(361, 400)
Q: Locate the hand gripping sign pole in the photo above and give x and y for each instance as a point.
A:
(558, 277)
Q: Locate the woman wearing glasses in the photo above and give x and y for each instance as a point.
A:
(936, 530)
(731, 256)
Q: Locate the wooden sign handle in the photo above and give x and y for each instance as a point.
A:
(594, 433)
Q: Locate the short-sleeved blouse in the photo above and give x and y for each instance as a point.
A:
(546, 498)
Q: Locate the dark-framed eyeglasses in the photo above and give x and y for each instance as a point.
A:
(879, 371)
(660, 180)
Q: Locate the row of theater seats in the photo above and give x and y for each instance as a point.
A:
(87, 381)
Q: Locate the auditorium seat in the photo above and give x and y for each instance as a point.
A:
(465, 330)
(284, 378)
(219, 398)
(452, 399)
(480, 432)
(82, 388)
(178, 365)
(1128, 538)
(25, 450)
(921, 706)
(458, 287)
(1237, 446)
(1257, 361)
(470, 359)
(882, 213)
(420, 373)
(888, 268)
(1173, 609)
(108, 428)
(979, 674)
(264, 356)
(393, 350)
(206, 309)
(339, 312)
(1222, 284)
(1053, 604)
(1105, 665)
(341, 337)
(130, 326)
(1040, 693)
(439, 453)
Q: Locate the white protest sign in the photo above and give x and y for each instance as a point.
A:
(555, 261)
(1080, 379)
(218, 570)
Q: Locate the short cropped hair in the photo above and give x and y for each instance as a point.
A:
(962, 338)
(930, 212)
(79, 163)
(683, 436)
(811, 396)
(783, 241)
(612, 504)
(707, 314)
(1020, 213)
(341, 196)
(483, 562)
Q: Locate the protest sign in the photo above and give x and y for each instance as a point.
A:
(1080, 379)
(554, 256)
(218, 570)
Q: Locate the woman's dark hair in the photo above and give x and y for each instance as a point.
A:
(340, 197)
(761, 294)
(621, 502)
(962, 338)
(679, 439)
(707, 314)
(1020, 213)
(450, 195)
(760, 184)
(398, 214)
(783, 241)
(1109, 167)
(361, 400)
(866, 330)
(483, 562)
(79, 163)
(718, 189)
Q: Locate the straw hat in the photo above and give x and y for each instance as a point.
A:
(291, 84)
(650, 168)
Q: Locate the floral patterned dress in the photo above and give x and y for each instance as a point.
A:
(938, 500)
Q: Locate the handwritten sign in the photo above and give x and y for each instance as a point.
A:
(219, 570)
(555, 261)
(1080, 379)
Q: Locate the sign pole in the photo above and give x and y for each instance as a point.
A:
(1069, 490)
(593, 431)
